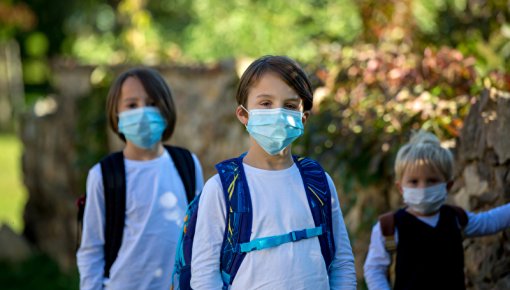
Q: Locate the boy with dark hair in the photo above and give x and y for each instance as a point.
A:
(296, 237)
(137, 198)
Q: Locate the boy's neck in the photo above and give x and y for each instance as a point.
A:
(133, 152)
(258, 158)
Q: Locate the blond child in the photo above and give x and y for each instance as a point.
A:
(426, 234)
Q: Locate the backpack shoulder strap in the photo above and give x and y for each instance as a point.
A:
(461, 214)
(239, 216)
(387, 224)
(114, 183)
(183, 253)
(80, 206)
(185, 165)
(319, 199)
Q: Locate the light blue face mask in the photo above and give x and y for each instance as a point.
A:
(274, 129)
(142, 126)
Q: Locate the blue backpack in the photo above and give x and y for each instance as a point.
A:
(236, 242)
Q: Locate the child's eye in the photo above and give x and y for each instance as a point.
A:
(291, 106)
(432, 180)
(132, 105)
(265, 104)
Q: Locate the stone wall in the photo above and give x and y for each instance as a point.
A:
(483, 182)
(55, 140)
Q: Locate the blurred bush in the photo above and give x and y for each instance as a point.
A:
(371, 98)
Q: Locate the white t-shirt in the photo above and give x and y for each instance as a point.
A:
(378, 259)
(280, 206)
(155, 207)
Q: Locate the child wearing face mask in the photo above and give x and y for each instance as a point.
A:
(141, 111)
(426, 235)
(287, 244)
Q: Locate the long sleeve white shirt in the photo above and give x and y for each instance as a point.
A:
(279, 206)
(378, 259)
(155, 207)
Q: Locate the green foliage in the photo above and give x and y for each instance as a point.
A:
(151, 32)
(90, 135)
(478, 28)
(12, 195)
(38, 272)
(112, 32)
(50, 21)
(208, 30)
(36, 44)
(297, 28)
(15, 18)
(373, 97)
(35, 71)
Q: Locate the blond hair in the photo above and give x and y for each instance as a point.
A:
(424, 148)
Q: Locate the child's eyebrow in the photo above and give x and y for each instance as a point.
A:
(264, 96)
(130, 99)
(293, 98)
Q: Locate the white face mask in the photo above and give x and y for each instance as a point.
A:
(425, 200)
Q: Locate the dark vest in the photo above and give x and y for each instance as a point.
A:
(427, 257)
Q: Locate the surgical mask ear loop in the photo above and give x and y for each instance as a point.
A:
(246, 110)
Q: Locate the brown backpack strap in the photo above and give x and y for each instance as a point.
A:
(462, 217)
(387, 223)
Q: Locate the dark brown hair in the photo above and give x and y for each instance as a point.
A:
(284, 67)
(157, 89)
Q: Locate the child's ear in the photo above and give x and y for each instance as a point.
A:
(399, 187)
(306, 114)
(242, 115)
(449, 185)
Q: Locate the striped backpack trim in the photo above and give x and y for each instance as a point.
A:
(239, 216)
(319, 199)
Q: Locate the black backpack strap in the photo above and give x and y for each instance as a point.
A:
(185, 165)
(80, 205)
(114, 183)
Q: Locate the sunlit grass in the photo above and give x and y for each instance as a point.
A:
(13, 195)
